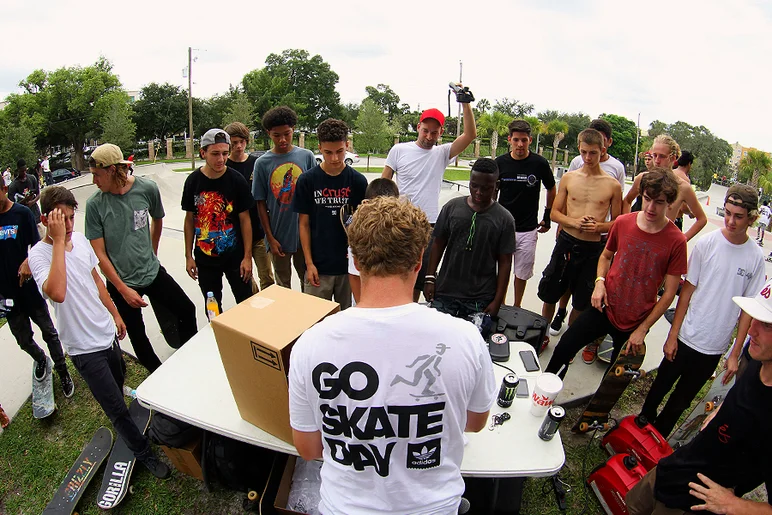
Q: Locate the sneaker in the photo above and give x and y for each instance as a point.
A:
(68, 387)
(544, 345)
(590, 353)
(156, 467)
(4, 420)
(557, 323)
(40, 370)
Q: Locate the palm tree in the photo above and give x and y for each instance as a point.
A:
(493, 124)
(754, 165)
(558, 129)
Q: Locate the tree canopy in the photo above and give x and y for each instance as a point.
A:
(161, 111)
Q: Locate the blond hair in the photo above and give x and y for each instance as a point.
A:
(388, 236)
(665, 139)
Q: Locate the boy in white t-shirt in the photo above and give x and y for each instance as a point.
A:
(722, 265)
(385, 390)
(765, 213)
(64, 267)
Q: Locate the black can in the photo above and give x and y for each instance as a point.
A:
(552, 420)
(508, 390)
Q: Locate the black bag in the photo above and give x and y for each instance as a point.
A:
(234, 464)
(168, 431)
(521, 325)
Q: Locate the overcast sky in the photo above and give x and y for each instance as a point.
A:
(705, 62)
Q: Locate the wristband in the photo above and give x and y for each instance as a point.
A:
(546, 218)
(600, 279)
(429, 277)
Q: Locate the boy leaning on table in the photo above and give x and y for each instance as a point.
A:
(64, 268)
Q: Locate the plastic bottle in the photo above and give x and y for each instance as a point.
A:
(212, 310)
(129, 392)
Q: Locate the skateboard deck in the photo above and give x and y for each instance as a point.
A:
(613, 384)
(691, 426)
(115, 482)
(43, 403)
(606, 349)
(80, 474)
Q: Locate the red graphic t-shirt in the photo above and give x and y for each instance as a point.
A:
(641, 261)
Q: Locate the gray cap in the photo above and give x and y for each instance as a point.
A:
(213, 136)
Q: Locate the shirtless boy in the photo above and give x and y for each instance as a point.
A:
(583, 200)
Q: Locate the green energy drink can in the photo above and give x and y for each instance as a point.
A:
(508, 390)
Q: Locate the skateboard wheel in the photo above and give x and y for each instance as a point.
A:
(709, 406)
(252, 495)
(606, 426)
(131, 489)
(641, 374)
(583, 427)
(619, 371)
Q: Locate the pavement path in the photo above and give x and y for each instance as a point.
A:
(15, 365)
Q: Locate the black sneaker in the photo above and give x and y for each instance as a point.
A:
(41, 369)
(68, 387)
(156, 467)
(557, 323)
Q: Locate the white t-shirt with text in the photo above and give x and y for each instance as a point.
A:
(720, 270)
(764, 215)
(419, 174)
(83, 322)
(389, 389)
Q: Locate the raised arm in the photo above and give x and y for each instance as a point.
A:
(466, 137)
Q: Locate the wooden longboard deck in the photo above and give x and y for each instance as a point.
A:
(610, 390)
(43, 403)
(691, 426)
(115, 482)
(81, 473)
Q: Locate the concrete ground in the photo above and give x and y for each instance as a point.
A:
(15, 380)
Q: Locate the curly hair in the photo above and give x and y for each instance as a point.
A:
(332, 130)
(238, 130)
(52, 196)
(675, 149)
(388, 236)
(485, 165)
(278, 116)
(658, 181)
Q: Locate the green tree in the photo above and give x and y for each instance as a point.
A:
(494, 125)
(577, 122)
(295, 78)
(483, 105)
(756, 165)
(385, 98)
(117, 126)
(240, 110)
(16, 142)
(513, 108)
(373, 129)
(161, 111)
(349, 113)
(623, 133)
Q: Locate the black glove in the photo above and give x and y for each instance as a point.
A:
(546, 222)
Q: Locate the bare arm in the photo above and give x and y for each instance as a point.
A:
(190, 230)
(559, 206)
(156, 227)
(671, 342)
(690, 197)
(616, 210)
(387, 173)
(129, 294)
(502, 282)
(55, 287)
(304, 224)
(733, 361)
(551, 193)
(718, 499)
(598, 299)
(309, 445)
(469, 134)
(671, 287)
(475, 422)
(265, 221)
(245, 268)
(627, 203)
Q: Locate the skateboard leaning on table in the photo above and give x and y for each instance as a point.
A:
(691, 426)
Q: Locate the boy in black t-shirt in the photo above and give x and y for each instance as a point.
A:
(320, 195)
(218, 232)
(477, 236)
(245, 164)
(17, 234)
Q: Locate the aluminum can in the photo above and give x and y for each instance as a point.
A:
(552, 420)
(508, 390)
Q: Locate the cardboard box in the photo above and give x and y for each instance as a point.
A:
(255, 339)
(186, 459)
(280, 503)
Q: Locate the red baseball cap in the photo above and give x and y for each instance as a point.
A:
(434, 114)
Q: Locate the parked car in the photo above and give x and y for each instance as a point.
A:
(63, 174)
(350, 159)
(61, 160)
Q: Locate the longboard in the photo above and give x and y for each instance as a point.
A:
(43, 403)
(606, 349)
(80, 474)
(691, 426)
(617, 377)
(115, 482)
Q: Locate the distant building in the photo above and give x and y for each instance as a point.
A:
(133, 96)
(738, 152)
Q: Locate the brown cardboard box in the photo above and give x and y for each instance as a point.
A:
(255, 338)
(186, 459)
(280, 503)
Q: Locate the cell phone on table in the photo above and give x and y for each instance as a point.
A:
(529, 361)
(522, 388)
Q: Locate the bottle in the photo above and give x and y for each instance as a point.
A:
(129, 392)
(212, 310)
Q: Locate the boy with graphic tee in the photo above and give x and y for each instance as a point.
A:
(217, 201)
(419, 380)
(64, 267)
(520, 174)
(18, 233)
(477, 237)
(124, 220)
(320, 196)
(244, 163)
(273, 186)
(722, 265)
(646, 249)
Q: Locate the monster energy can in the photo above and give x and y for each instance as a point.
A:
(508, 390)
(549, 427)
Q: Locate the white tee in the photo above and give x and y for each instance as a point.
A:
(611, 166)
(352, 268)
(419, 174)
(764, 215)
(83, 322)
(719, 270)
(389, 389)
(45, 166)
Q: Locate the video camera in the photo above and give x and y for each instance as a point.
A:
(463, 95)
(5, 306)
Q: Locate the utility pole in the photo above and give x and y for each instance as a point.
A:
(458, 119)
(190, 110)
(637, 136)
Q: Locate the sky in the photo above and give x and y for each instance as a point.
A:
(699, 61)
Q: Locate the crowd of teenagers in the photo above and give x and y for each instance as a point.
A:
(620, 259)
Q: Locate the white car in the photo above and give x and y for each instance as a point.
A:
(350, 159)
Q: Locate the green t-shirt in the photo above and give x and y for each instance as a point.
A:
(124, 223)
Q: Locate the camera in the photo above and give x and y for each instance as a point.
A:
(463, 95)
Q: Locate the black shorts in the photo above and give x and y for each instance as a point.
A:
(572, 267)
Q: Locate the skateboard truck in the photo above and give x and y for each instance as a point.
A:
(622, 370)
(595, 425)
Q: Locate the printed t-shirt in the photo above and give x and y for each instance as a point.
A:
(123, 221)
(274, 181)
(389, 389)
(321, 197)
(216, 204)
(640, 263)
(519, 187)
(765, 214)
(18, 232)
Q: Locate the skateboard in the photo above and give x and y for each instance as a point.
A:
(115, 482)
(691, 426)
(43, 403)
(606, 349)
(80, 474)
(625, 369)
